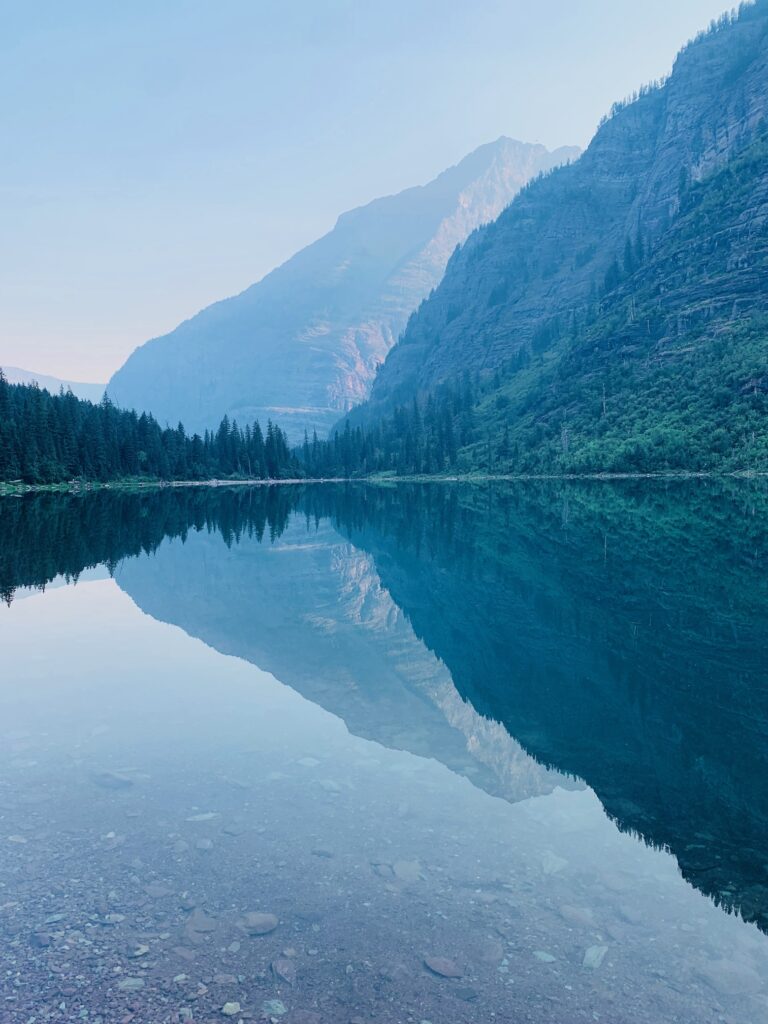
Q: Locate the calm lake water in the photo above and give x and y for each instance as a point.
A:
(418, 754)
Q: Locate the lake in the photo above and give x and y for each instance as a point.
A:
(417, 753)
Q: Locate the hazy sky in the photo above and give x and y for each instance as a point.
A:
(157, 156)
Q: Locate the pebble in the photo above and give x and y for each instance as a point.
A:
(199, 921)
(131, 984)
(156, 890)
(274, 1008)
(467, 994)
(407, 870)
(260, 924)
(581, 916)
(285, 970)
(442, 966)
(234, 829)
(111, 780)
(551, 864)
(594, 956)
(231, 1009)
(544, 957)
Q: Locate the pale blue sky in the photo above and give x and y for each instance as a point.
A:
(157, 156)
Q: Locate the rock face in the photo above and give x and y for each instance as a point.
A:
(548, 254)
(302, 345)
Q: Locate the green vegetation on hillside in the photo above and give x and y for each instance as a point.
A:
(664, 370)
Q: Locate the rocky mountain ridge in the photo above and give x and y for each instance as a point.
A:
(303, 345)
(525, 282)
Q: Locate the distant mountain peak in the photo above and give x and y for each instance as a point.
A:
(307, 339)
(91, 392)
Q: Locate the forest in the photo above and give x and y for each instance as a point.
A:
(48, 439)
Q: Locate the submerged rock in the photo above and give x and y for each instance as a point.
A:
(467, 994)
(111, 780)
(199, 921)
(274, 1008)
(442, 966)
(544, 957)
(285, 970)
(156, 890)
(407, 870)
(131, 984)
(551, 864)
(234, 828)
(256, 923)
(231, 1009)
(580, 916)
(594, 956)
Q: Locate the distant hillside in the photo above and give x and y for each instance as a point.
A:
(91, 392)
(303, 345)
(614, 316)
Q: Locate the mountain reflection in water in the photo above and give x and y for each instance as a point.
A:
(533, 639)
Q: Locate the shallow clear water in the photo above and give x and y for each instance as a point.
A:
(471, 753)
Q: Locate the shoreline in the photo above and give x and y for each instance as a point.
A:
(76, 487)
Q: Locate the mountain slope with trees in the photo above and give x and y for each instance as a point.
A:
(613, 317)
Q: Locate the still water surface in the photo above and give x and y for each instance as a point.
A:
(432, 753)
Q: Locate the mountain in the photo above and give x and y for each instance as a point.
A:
(302, 345)
(91, 392)
(613, 316)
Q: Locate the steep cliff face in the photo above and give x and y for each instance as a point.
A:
(550, 256)
(302, 345)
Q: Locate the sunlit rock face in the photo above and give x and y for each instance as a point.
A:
(302, 345)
